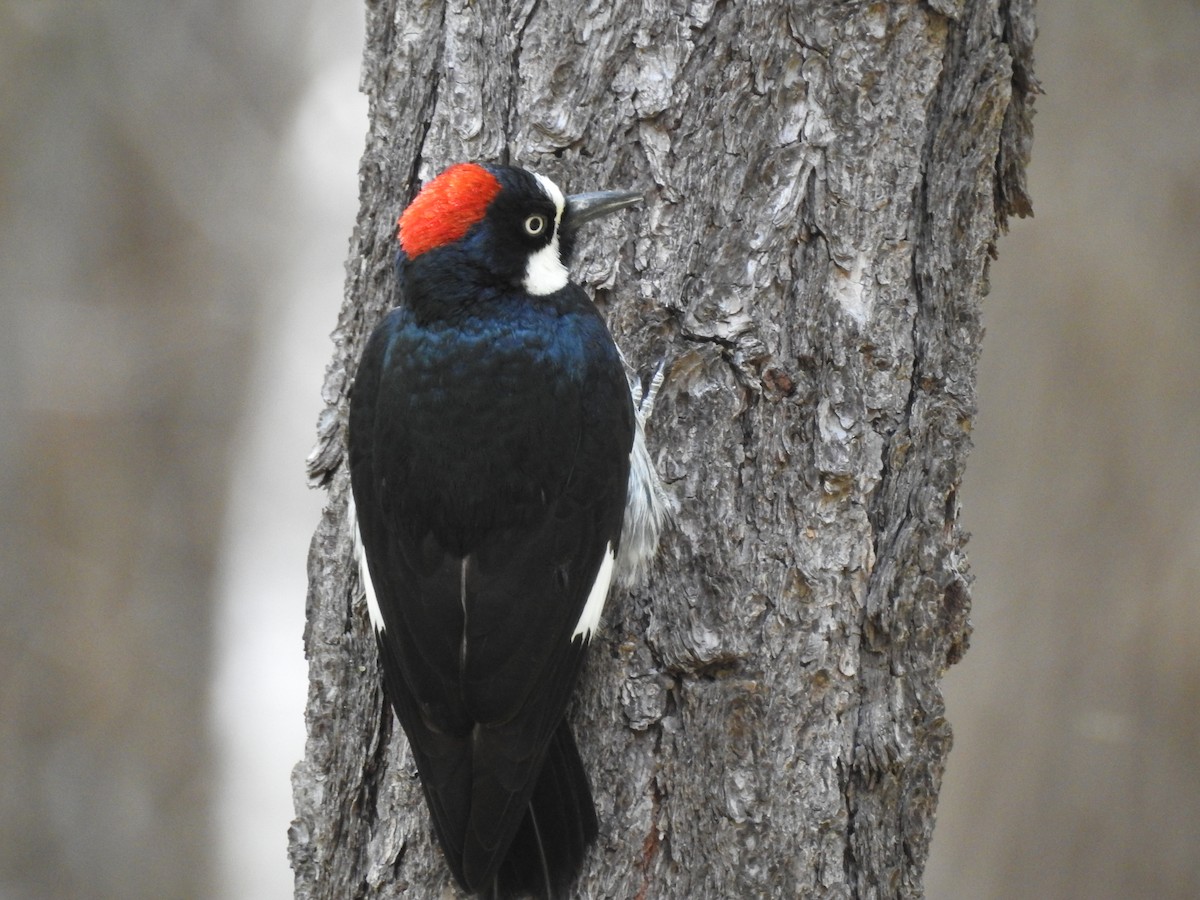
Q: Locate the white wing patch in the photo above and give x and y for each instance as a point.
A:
(545, 272)
(364, 573)
(589, 619)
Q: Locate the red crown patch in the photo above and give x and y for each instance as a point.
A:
(446, 208)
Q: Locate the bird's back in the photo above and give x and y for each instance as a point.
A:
(489, 459)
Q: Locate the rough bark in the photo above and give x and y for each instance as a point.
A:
(826, 183)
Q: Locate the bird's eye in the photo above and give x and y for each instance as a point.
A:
(535, 225)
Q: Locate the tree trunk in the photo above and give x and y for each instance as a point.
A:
(826, 183)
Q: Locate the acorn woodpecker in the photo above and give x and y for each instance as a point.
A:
(491, 435)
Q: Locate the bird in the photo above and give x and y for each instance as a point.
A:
(492, 432)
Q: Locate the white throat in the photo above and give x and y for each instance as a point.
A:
(545, 272)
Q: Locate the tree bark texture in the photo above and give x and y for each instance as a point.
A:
(826, 182)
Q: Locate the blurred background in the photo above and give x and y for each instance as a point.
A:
(177, 189)
(178, 183)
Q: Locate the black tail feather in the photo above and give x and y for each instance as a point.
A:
(552, 840)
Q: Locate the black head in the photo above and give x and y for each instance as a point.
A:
(505, 224)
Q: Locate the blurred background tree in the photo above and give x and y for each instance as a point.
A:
(176, 192)
(1076, 765)
(164, 177)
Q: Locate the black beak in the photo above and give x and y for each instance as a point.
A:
(583, 208)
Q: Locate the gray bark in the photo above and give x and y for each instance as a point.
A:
(826, 184)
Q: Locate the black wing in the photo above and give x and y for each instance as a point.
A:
(489, 472)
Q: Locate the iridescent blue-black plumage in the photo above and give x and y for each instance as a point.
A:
(489, 444)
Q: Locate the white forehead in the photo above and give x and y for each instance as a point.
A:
(554, 192)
